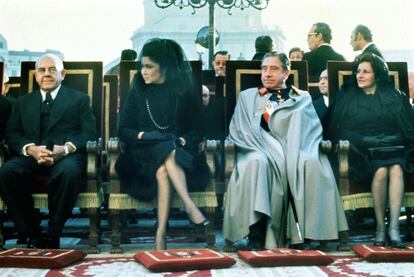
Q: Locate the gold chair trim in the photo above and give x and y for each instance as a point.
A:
(88, 72)
(122, 201)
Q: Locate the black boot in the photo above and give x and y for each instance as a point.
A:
(257, 235)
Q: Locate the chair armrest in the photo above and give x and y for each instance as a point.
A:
(325, 146)
(93, 150)
(342, 149)
(211, 147)
(230, 154)
(113, 154)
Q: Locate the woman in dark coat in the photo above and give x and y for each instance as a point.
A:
(159, 124)
(378, 121)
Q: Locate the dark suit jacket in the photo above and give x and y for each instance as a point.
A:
(259, 56)
(5, 109)
(320, 108)
(373, 49)
(317, 59)
(71, 120)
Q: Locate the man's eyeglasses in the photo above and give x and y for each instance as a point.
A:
(312, 34)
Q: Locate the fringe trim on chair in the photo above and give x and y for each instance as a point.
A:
(122, 201)
(84, 200)
(356, 201)
(408, 200)
(364, 200)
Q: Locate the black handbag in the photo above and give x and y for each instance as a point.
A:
(386, 152)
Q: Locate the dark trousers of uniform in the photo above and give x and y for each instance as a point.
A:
(65, 180)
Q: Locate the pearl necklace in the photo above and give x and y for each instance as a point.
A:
(152, 118)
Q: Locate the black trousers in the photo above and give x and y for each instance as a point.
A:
(65, 180)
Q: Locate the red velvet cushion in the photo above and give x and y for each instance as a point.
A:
(285, 257)
(183, 260)
(373, 253)
(39, 258)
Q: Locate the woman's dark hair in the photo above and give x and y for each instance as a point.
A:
(379, 67)
(169, 55)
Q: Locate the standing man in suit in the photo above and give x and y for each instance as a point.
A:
(57, 117)
(361, 39)
(319, 39)
(321, 104)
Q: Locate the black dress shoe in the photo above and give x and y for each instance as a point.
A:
(52, 243)
(397, 244)
(32, 243)
(255, 245)
(201, 227)
(301, 246)
(379, 243)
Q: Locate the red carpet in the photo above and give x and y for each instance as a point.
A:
(126, 266)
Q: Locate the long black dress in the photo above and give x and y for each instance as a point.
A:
(157, 108)
(356, 115)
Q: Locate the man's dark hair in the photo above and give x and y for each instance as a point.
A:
(282, 57)
(325, 30)
(364, 31)
(263, 44)
(128, 55)
(223, 53)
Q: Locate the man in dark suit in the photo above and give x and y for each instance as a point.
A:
(5, 109)
(361, 39)
(319, 39)
(48, 130)
(321, 104)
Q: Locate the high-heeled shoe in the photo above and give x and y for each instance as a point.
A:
(395, 238)
(380, 239)
(201, 227)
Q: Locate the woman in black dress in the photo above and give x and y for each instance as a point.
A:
(378, 121)
(160, 125)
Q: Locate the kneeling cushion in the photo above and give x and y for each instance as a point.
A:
(39, 258)
(183, 260)
(285, 257)
(373, 253)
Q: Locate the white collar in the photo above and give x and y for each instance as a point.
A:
(366, 46)
(53, 93)
(325, 44)
(326, 100)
